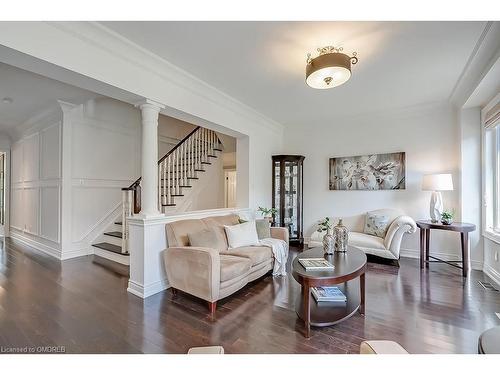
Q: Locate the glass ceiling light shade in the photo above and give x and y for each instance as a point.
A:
(330, 68)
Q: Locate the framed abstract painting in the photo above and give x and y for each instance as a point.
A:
(369, 172)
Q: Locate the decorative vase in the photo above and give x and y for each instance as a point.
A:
(446, 221)
(341, 235)
(328, 242)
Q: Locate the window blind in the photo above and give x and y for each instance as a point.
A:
(492, 117)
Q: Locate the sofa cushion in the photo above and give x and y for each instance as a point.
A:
(257, 254)
(376, 224)
(232, 267)
(177, 231)
(363, 240)
(210, 237)
(241, 235)
(218, 223)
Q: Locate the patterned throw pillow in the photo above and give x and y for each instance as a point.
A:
(376, 225)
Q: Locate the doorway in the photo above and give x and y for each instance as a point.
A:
(230, 188)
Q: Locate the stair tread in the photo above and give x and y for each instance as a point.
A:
(114, 234)
(109, 247)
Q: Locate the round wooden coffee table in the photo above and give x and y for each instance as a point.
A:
(348, 275)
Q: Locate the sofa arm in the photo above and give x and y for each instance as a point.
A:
(280, 233)
(194, 270)
(401, 225)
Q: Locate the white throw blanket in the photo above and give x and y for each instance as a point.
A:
(280, 253)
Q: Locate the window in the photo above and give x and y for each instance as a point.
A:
(491, 168)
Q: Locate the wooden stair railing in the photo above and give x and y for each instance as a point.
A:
(178, 167)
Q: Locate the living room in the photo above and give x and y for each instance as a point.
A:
(338, 197)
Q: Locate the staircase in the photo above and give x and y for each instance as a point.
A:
(178, 172)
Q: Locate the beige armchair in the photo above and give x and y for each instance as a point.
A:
(212, 273)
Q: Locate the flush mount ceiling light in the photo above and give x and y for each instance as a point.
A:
(330, 68)
(7, 100)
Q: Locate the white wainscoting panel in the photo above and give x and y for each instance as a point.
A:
(50, 213)
(31, 209)
(17, 162)
(104, 153)
(31, 158)
(50, 152)
(89, 206)
(17, 209)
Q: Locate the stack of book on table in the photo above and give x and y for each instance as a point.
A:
(316, 264)
(328, 294)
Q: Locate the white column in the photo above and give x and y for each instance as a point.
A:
(149, 158)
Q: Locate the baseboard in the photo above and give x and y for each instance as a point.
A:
(415, 254)
(146, 291)
(492, 273)
(78, 252)
(17, 237)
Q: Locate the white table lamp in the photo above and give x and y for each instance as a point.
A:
(437, 183)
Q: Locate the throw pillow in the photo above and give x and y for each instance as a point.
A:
(207, 238)
(242, 235)
(376, 225)
(263, 227)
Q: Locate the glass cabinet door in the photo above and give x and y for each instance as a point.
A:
(277, 193)
(287, 194)
(290, 192)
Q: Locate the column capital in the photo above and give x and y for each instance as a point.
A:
(149, 103)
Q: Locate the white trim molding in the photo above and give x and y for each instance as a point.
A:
(492, 273)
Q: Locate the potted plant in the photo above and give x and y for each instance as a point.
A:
(328, 240)
(267, 213)
(447, 217)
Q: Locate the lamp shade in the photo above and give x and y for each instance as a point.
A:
(437, 182)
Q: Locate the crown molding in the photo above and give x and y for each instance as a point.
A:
(416, 110)
(113, 43)
(484, 54)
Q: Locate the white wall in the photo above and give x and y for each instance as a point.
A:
(430, 137)
(170, 132)
(470, 146)
(105, 157)
(36, 185)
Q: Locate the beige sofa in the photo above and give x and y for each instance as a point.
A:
(387, 247)
(213, 273)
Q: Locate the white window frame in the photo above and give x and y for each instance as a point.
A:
(491, 175)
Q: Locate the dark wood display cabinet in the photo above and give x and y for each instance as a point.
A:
(288, 181)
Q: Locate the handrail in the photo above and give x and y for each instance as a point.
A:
(166, 155)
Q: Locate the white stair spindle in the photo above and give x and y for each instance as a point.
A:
(159, 186)
(184, 157)
(169, 161)
(179, 169)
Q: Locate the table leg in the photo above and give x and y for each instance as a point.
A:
(422, 247)
(362, 290)
(307, 309)
(427, 246)
(464, 237)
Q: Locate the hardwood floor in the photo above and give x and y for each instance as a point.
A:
(85, 308)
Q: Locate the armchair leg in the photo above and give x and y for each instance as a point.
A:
(212, 306)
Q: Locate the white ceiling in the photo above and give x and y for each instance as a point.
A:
(32, 94)
(401, 64)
